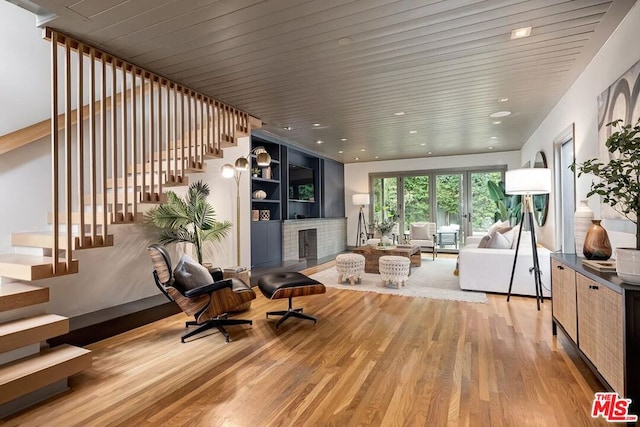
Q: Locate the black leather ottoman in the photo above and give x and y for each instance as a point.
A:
(289, 285)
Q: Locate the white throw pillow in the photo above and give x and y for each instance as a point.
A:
(420, 232)
(508, 234)
(514, 241)
(498, 224)
(499, 241)
(189, 274)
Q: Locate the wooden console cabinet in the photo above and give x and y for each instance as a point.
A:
(601, 316)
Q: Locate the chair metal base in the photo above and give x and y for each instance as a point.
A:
(291, 312)
(219, 323)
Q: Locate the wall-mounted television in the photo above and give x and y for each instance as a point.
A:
(302, 186)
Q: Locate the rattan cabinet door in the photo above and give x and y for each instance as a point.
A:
(600, 320)
(610, 338)
(588, 314)
(563, 297)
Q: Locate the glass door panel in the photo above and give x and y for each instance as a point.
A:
(483, 209)
(416, 201)
(449, 210)
(385, 203)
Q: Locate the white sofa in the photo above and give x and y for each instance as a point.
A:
(489, 270)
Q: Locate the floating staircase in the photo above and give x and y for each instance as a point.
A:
(23, 374)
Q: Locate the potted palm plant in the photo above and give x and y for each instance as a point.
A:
(619, 187)
(191, 220)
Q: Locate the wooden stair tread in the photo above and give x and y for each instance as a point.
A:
(75, 218)
(184, 181)
(33, 267)
(29, 330)
(34, 372)
(44, 239)
(147, 165)
(130, 198)
(17, 295)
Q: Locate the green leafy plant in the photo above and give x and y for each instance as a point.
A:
(619, 179)
(508, 207)
(385, 227)
(190, 220)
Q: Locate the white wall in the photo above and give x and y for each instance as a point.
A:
(356, 175)
(24, 70)
(578, 106)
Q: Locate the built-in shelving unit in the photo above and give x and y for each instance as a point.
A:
(266, 179)
(296, 188)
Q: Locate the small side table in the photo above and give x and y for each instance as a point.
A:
(244, 276)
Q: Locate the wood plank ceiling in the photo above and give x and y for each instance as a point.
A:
(338, 71)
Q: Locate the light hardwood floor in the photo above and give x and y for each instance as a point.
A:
(372, 359)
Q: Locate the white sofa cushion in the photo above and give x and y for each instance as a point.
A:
(421, 231)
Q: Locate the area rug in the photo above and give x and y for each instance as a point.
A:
(434, 279)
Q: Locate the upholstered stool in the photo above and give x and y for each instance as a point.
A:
(350, 267)
(394, 269)
(289, 285)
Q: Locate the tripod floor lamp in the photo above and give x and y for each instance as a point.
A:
(528, 182)
(361, 200)
(263, 159)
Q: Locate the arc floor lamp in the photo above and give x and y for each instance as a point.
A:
(242, 164)
(527, 183)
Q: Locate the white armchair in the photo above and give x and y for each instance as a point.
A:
(423, 234)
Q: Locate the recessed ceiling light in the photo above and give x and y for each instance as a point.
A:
(288, 128)
(340, 151)
(343, 139)
(520, 33)
(362, 149)
(316, 125)
(344, 41)
(504, 99)
(376, 157)
(496, 122)
(319, 142)
(399, 113)
(357, 158)
(413, 131)
(500, 114)
(428, 152)
(423, 144)
(494, 137)
(490, 148)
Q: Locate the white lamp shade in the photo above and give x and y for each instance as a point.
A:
(360, 199)
(528, 181)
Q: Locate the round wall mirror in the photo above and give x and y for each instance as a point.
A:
(540, 201)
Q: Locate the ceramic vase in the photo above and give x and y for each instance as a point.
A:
(628, 265)
(596, 242)
(581, 223)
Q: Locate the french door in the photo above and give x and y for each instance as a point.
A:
(457, 201)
